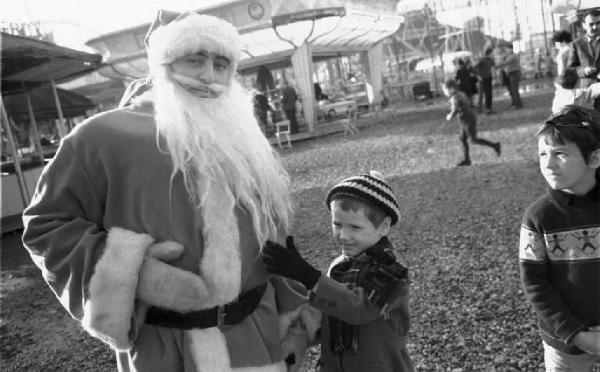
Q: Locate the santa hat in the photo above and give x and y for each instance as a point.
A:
(172, 36)
(370, 188)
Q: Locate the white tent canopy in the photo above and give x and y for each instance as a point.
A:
(332, 27)
(568, 6)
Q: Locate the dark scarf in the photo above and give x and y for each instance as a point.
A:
(378, 272)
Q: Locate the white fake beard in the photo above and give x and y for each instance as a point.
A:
(219, 140)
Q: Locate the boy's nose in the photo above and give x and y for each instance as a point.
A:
(345, 235)
(550, 163)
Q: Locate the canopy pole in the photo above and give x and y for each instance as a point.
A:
(36, 133)
(15, 156)
(61, 119)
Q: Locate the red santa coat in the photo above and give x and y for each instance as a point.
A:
(100, 203)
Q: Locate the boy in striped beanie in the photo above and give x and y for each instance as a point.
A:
(364, 296)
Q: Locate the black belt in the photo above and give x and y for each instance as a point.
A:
(229, 314)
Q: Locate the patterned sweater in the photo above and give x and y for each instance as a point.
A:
(559, 255)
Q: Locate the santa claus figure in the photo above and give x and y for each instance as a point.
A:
(149, 221)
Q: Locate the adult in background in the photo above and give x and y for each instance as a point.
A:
(319, 95)
(262, 109)
(511, 64)
(549, 64)
(464, 78)
(483, 69)
(149, 221)
(562, 42)
(288, 100)
(585, 52)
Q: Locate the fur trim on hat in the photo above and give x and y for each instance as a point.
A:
(190, 34)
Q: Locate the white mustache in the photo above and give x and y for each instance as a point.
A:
(199, 88)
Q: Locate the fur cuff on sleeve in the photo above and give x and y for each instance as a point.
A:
(109, 308)
(306, 317)
(299, 328)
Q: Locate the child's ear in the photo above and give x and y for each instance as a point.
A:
(384, 226)
(594, 159)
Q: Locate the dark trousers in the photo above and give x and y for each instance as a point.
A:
(290, 114)
(514, 77)
(485, 90)
(468, 132)
(262, 118)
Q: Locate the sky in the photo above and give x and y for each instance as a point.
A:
(76, 21)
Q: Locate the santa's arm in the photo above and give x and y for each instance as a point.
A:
(96, 273)
(65, 236)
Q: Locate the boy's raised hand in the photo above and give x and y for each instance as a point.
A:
(287, 261)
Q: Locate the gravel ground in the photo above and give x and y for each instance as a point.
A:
(458, 236)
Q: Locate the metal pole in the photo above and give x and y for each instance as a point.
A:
(431, 54)
(545, 30)
(61, 119)
(36, 133)
(15, 155)
(552, 17)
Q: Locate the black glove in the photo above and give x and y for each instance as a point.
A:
(287, 261)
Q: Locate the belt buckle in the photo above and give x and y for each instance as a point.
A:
(221, 316)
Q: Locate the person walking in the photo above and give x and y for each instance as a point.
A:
(511, 64)
(460, 106)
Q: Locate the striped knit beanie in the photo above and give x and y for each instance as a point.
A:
(370, 188)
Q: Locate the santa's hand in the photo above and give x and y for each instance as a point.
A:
(169, 287)
(167, 251)
(287, 261)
